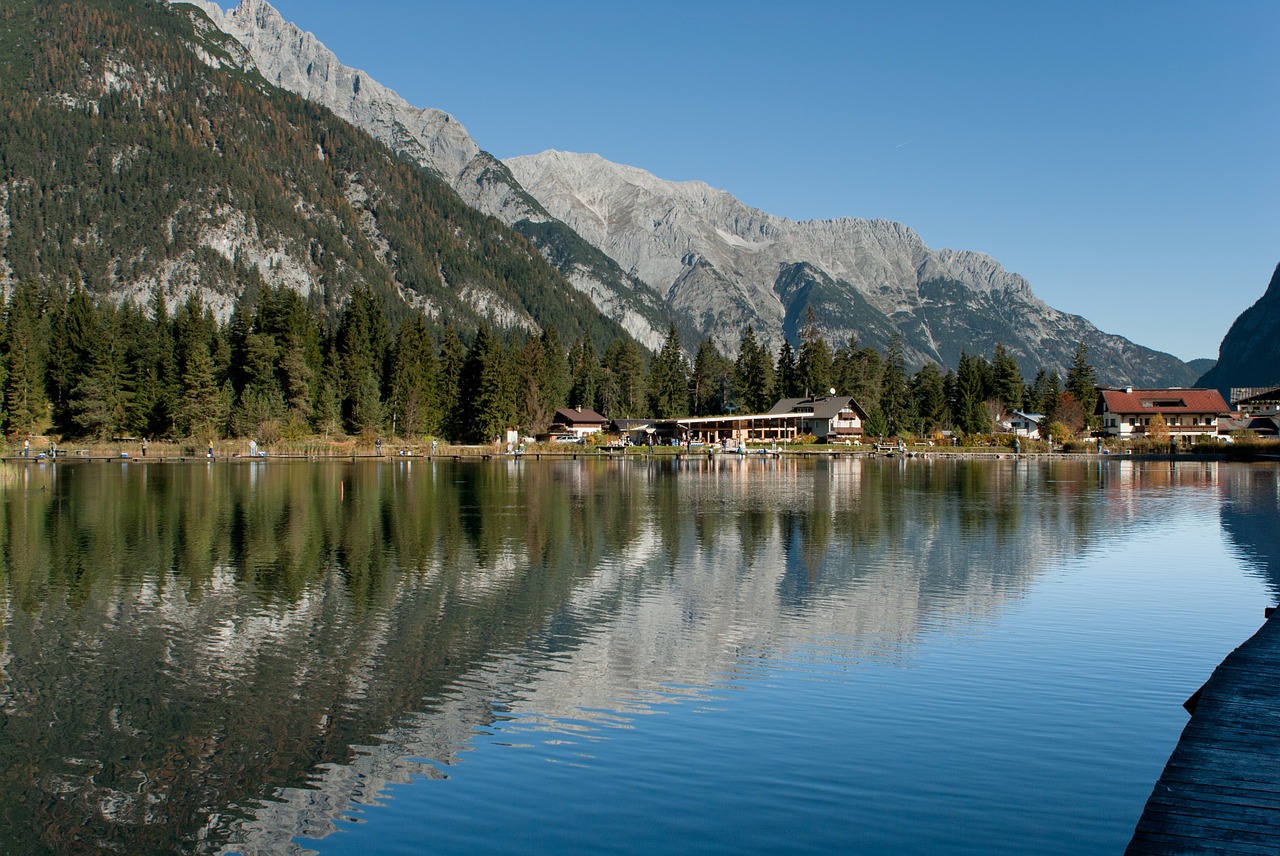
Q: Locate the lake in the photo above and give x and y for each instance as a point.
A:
(611, 656)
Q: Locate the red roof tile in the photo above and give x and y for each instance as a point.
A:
(1163, 401)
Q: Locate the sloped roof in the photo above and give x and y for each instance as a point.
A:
(1270, 394)
(827, 407)
(1173, 400)
(578, 416)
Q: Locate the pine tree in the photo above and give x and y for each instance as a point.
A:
(72, 333)
(752, 375)
(973, 389)
(103, 396)
(814, 365)
(624, 360)
(197, 415)
(584, 368)
(23, 347)
(1007, 379)
(669, 380)
(449, 394)
(786, 377)
(895, 401)
(1081, 381)
(556, 380)
(929, 394)
(488, 377)
(708, 381)
(859, 372)
(413, 381)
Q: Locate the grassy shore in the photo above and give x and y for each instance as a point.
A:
(352, 447)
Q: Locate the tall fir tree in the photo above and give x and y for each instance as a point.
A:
(895, 400)
(414, 411)
(814, 364)
(708, 381)
(928, 391)
(584, 367)
(669, 379)
(752, 375)
(1007, 385)
(1081, 381)
(23, 349)
(449, 393)
(786, 376)
(103, 396)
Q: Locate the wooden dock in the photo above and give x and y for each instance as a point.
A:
(1220, 791)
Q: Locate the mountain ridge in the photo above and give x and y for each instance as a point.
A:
(687, 239)
(299, 62)
(658, 256)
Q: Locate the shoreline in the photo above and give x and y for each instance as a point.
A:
(484, 453)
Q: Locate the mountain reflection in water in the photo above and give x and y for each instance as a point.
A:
(196, 657)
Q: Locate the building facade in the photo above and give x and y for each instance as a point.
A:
(1187, 413)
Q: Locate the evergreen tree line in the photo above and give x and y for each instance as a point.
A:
(278, 370)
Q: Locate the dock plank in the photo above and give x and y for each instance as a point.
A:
(1220, 790)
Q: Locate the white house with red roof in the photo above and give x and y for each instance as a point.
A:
(1127, 413)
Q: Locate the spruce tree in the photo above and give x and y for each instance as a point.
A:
(413, 380)
(449, 392)
(23, 348)
(1081, 382)
(895, 401)
(669, 380)
(814, 365)
(786, 377)
(1007, 378)
(929, 394)
(197, 415)
(752, 375)
(707, 381)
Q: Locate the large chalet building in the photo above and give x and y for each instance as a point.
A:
(1127, 413)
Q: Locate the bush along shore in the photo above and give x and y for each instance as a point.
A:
(137, 449)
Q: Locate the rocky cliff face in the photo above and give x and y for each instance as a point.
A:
(1250, 352)
(726, 265)
(297, 61)
(647, 250)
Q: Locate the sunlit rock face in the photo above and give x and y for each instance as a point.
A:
(297, 61)
(647, 250)
(728, 265)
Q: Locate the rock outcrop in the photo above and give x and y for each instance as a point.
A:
(298, 62)
(726, 265)
(647, 250)
(1250, 352)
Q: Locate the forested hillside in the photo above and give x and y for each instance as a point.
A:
(187, 251)
(133, 154)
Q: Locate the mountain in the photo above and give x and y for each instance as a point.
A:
(298, 62)
(1250, 352)
(138, 153)
(647, 250)
(727, 265)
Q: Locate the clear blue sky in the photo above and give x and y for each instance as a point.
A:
(1120, 156)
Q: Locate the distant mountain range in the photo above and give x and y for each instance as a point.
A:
(1250, 352)
(617, 248)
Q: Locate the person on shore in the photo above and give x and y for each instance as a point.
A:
(144, 447)
(210, 452)
(26, 448)
(378, 445)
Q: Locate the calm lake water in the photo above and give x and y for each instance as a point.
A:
(709, 657)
